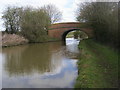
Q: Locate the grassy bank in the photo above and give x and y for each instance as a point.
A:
(97, 66)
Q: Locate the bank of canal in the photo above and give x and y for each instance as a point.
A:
(41, 65)
(97, 66)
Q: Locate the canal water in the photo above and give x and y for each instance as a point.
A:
(42, 65)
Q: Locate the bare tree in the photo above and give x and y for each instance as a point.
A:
(53, 12)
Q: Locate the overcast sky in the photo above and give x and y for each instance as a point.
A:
(67, 7)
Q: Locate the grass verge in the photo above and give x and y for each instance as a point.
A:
(97, 66)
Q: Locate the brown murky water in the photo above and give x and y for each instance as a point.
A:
(43, 65)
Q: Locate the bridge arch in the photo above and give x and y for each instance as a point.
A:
(59, 30)
(66, 32)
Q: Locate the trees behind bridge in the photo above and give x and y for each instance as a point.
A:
(54, 14)
(103, 17)
(30, 22)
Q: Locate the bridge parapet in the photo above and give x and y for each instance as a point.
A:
(65, 25)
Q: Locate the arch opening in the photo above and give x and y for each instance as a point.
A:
(80, 34)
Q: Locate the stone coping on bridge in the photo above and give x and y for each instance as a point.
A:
(66, 23)
(64, 27)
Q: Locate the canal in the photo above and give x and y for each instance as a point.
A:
(41, 65)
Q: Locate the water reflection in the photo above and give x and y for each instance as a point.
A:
(37, 65)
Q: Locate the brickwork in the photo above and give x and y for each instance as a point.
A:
(57, 30)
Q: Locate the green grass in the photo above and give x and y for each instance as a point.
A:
(97, 66)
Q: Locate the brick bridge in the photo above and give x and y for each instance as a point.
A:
(60, 30)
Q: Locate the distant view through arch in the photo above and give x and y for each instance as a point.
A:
(73, 34)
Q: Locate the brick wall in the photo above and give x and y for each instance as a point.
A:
(57, 30)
